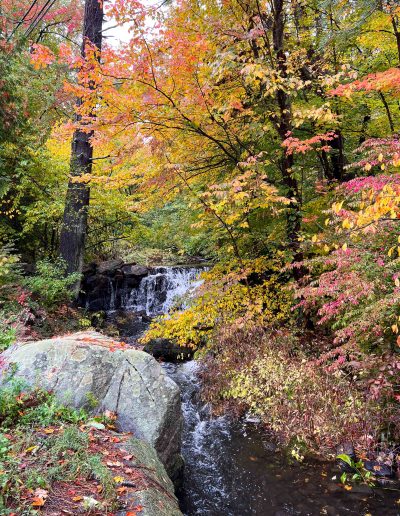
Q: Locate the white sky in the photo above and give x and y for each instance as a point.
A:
(115, 35)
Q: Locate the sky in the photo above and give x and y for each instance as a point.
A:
(115, 34)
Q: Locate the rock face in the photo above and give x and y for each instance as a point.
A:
(87, 368)
(105, 284)
(158, 498)
(168, 350)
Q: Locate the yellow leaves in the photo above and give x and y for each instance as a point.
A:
(344, 247)
(397, 282)
(395, 328)
(367, 167)
(337, 206)
(346, 224)
(225, 298)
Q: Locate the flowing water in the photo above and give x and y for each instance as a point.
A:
(232, 469)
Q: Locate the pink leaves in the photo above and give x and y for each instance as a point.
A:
(389, 80)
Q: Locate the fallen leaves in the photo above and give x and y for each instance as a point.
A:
(40, 496)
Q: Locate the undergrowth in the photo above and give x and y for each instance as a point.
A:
(42, 442)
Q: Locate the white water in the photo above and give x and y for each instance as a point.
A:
(163, 289)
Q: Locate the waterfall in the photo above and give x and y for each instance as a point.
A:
(162, 289)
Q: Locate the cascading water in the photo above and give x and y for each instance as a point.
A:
(161, 289)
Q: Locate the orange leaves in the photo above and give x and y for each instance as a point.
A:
(39, 499)
(41, 56)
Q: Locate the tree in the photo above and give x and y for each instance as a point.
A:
(73, 233)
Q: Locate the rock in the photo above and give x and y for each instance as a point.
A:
(135, 270)
(168, 350)
(157, 498)
(81, 366)
(109, 267)
(379, 469)
(346, 448)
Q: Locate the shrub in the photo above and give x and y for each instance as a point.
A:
(8, 335)
(9, 266)
(50, 283)
(269, 374)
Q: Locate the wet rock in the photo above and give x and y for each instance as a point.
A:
(135, 270)
(168, 350)
(128, 382)
(346, 448)
(97, 290)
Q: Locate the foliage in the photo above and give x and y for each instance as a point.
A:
(260, 135)
(50, 284)
(359, 473)
(278, 380)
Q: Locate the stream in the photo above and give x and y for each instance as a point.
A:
(231, 468)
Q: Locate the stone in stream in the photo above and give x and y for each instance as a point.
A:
(81, 367)
(168, 350)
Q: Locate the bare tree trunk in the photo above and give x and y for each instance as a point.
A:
(74, 228)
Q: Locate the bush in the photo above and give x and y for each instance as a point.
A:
(269, 374)
(50, 283)
(9, 266)
(8, 335)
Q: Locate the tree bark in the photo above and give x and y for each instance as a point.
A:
(74, 228)
(284, 126)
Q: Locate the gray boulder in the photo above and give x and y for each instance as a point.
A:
(157, 497)
(88, 366)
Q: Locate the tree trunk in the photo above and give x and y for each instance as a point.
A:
(284, 126)
(74, 228)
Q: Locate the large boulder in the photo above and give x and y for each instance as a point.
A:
(88, 366)
(157, 497)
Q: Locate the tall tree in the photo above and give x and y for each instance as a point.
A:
(73, 233)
